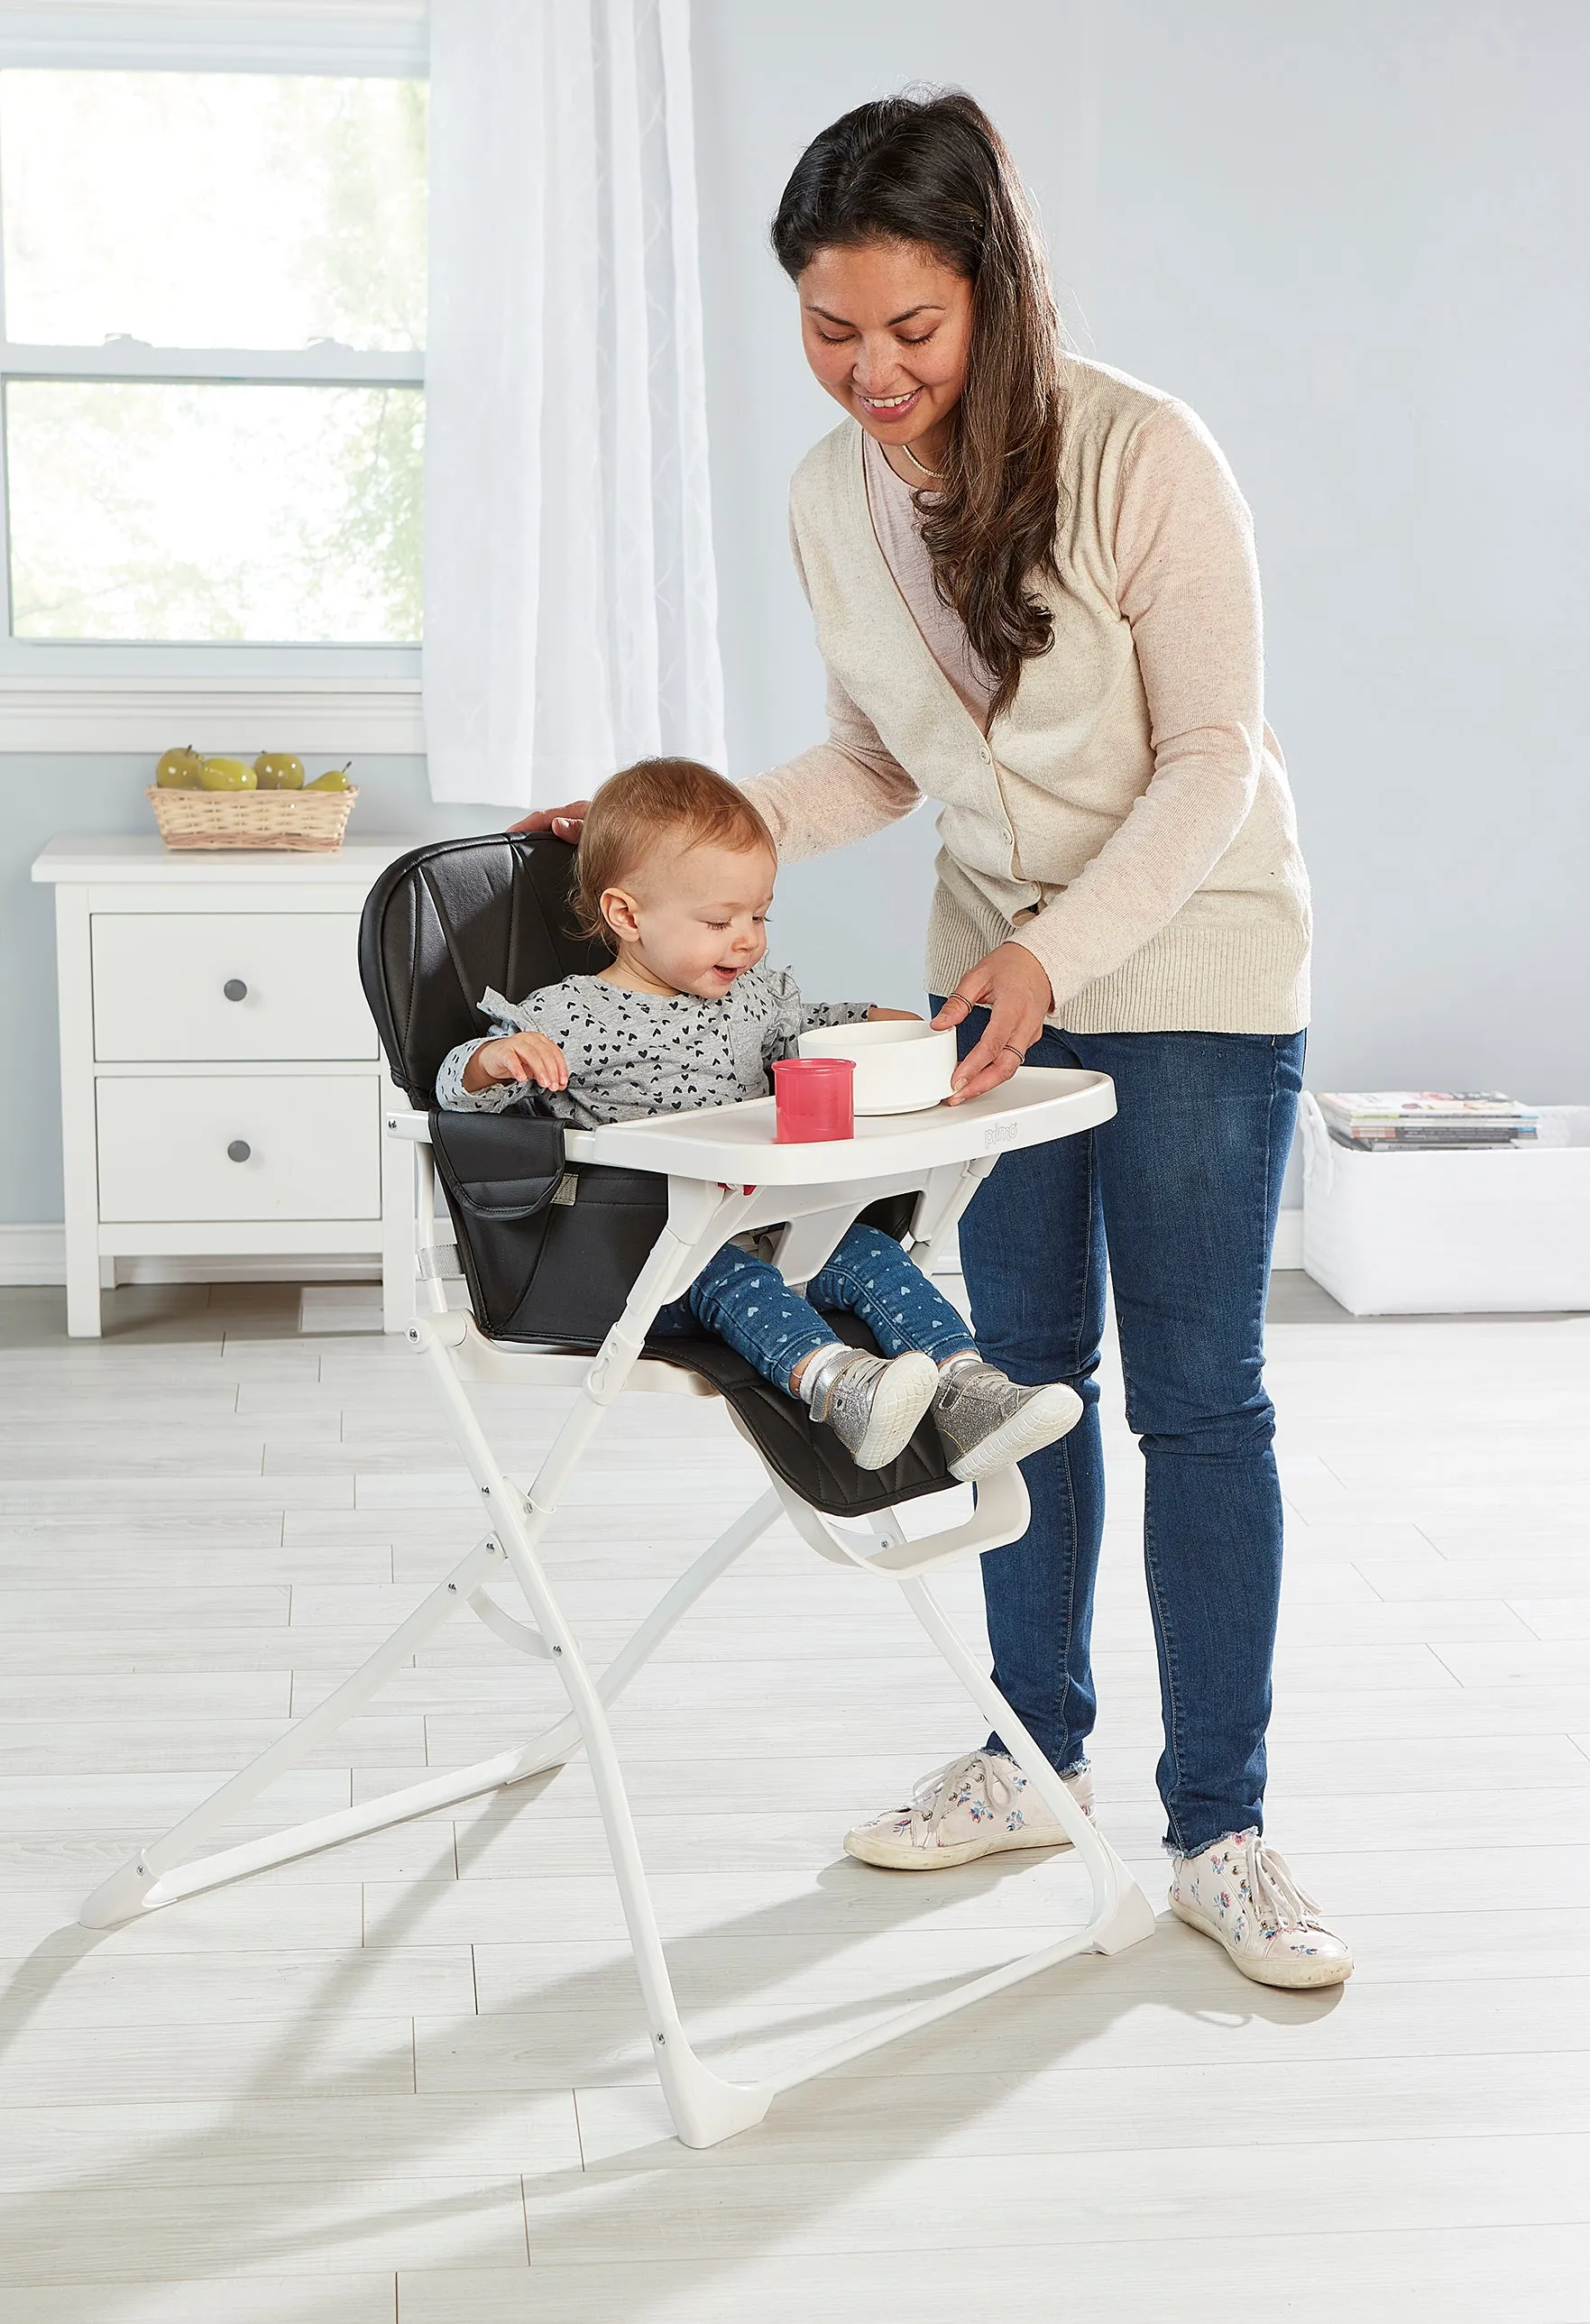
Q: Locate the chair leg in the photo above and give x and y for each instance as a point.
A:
(705, 2107)
(1122, 1915)
(162, 1872)
(558, 1744)
(166, 1870)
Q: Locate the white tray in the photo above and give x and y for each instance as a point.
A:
(735, 1143)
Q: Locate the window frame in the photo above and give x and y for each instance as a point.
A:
(67, 694)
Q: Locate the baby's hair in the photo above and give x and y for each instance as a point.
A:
(656, 798)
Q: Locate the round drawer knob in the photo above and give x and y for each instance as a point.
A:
(240, 1150)
(235, 988)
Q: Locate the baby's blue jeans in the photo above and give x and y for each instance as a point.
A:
(746, 1301)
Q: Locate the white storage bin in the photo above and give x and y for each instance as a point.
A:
(1448, 1234)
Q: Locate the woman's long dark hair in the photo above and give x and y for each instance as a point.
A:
(933, 171)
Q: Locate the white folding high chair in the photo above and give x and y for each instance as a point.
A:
(724, 1175)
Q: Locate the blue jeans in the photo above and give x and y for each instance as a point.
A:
(1185, 1184)
(746, 1301)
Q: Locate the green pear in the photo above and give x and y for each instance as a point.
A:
(335, 778)
(279, 770)
(228, 775)
(179, 770)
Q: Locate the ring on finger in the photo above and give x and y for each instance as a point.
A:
(1019, 1055)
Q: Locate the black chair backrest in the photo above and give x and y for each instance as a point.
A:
(444, 922)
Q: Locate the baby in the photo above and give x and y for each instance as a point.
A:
(676, 875)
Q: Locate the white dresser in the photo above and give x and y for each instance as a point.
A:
(221, 1084)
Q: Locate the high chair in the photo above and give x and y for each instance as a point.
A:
(570, 1242)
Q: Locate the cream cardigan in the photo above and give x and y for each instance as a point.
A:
(1128, 818)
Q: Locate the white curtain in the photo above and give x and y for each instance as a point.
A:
(571, 597)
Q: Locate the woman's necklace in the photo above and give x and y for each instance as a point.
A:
(934, 474)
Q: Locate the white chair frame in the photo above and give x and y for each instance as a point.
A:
(725, 1175)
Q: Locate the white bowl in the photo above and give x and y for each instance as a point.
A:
(899, 1068)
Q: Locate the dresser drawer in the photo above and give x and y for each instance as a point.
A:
(305, 1148)
(190, 987)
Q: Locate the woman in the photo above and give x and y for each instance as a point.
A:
(1035, 595)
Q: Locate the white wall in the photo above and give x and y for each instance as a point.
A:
(1353, 237)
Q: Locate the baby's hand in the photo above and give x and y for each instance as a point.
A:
(518, 1057)
(892, 1016)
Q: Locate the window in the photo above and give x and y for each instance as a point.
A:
(214, 318)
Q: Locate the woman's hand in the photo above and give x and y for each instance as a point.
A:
(562, 822)
(876, 1016)
(1014, 987)
(518, 1057)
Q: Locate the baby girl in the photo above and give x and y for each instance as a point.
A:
(676, 876)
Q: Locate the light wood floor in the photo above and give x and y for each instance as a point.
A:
(407, 2082)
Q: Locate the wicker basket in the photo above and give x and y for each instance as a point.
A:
(304, 819)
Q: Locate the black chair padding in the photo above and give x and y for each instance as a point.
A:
(445, 921)
(551, 1250)
(536, 1267)
(808, 1457)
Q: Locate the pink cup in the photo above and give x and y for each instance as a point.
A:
(815, 1099)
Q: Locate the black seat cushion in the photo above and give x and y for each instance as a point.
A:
(551, 1250)
(808, 1457)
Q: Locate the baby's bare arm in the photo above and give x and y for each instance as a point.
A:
(517, 1058)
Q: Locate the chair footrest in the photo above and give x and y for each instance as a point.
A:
(805, 1454)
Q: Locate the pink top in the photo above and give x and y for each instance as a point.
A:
(892, 503)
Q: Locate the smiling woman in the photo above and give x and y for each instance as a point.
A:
(892, 369)
(1033, 586)
(900, 249)
(1035, 595)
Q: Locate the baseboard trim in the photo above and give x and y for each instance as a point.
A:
(33, 1254)
(37, 1254)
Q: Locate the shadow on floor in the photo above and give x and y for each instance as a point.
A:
(624, 2198)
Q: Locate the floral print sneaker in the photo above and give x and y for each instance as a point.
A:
(976, 1806)
(1242, 1893)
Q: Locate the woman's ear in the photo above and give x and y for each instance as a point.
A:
(618, 910)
